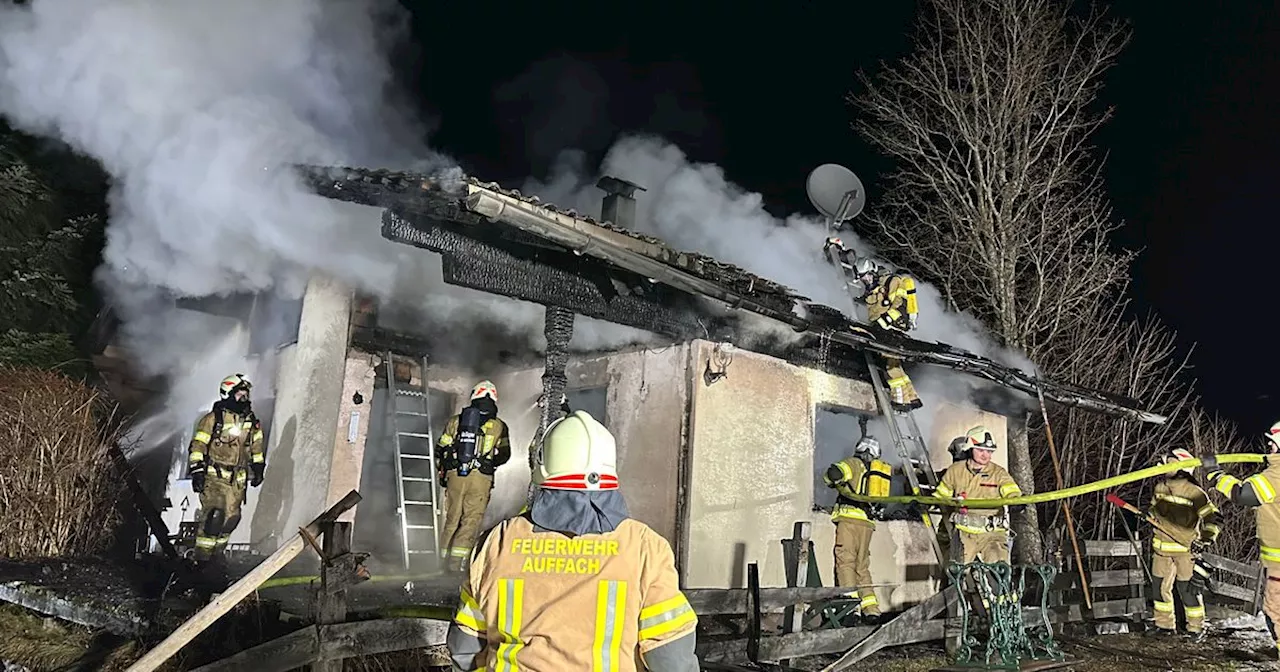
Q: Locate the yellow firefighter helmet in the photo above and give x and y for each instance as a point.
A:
(979, 437)
(577, 453)
(485, 388)
(1178, 455)
(1273, 435)
(232, 383)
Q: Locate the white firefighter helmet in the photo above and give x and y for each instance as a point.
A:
(577, 453)
(866, 265)
(232, 383)
(1178, 455)
(979, 437)
(485, 388)
(869, 446)
(1273, 435)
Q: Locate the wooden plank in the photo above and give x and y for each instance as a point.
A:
(798, 571)
(905, 629)
(710, 601)
(1234, 592)
(384, 635)
(281, 654)
(335, 642)
(753, 612)
(1071, 613)
(1229, 565)
(331, 606)
(238, 591)
(1108, 548)
(1109, 578)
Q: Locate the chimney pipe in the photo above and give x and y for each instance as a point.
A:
(619, 206)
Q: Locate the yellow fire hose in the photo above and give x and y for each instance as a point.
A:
(1038, 498)
(1074, 491)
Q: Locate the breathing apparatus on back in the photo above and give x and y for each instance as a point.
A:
(483, 406)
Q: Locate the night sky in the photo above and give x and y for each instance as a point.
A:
(762, 94)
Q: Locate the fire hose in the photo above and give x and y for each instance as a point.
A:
(1055, 495)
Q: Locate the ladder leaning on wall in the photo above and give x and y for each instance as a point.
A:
(911, 446)
(417, 491)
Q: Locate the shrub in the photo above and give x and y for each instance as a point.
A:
(58, 489)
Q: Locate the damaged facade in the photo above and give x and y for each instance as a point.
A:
(721, 447)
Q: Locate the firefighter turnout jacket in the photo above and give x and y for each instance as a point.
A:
(1259, 491)
(892, 303)
(227, 442)
(543, 601)
(989, 482)
(852, 476)
(1182, 514)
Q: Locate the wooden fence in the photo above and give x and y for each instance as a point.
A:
(1116, 572)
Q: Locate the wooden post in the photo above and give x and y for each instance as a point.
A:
(753, 612)
(331, 605)
(797, 575)
(238, 590)
(1066, 510)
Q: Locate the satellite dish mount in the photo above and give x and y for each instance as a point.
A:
(836, 193)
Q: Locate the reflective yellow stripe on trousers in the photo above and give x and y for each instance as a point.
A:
(510, 606)
(1269, 554)
(611, 606)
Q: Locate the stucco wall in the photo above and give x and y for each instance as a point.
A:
(309, 387)
(751, 476)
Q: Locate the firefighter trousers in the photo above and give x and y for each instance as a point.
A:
(1170, 571)
(465, 499)
(901, 391)
(1271, 600)
(990, 547)
(219, 513)
(853, 562)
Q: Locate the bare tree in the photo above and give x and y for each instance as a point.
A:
(996, 195)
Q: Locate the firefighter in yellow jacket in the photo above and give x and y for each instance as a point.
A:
(473, 445)
(226, 454)
(862, 473)
(1259, 491)
(1182, 518)
(984, 533)
(574, 583)
(891, 306)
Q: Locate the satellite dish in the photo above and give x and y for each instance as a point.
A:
(836, 192)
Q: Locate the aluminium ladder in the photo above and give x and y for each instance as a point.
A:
(417, 492)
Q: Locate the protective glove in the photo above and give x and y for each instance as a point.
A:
(256, 472)
(912, 320)
(197, 477)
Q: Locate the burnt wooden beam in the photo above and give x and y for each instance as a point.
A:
(334, 643)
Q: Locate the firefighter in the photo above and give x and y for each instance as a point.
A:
(574, 583)
(226, 454)
(863, 473)
(1183, 519)
(1259, 491)
(472, 446)
(891, 306)
(984, 533)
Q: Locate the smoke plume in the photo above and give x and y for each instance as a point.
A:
(693, 206)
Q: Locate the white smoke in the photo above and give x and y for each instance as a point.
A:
(694, 207)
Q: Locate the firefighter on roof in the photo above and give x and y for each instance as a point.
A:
(891, 306)
(226, 455)
(863, 473)
(473, 445)
(1183, 518)
(573, 582)
(984, 533)
(1259, 491)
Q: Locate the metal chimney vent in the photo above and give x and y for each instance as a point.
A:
(619, 205)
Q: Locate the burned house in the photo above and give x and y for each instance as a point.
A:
(721, 444)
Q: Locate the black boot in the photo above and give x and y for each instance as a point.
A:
(1159, 632)
(871, 619)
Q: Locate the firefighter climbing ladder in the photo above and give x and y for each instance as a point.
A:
(417, 494)
(909, 445)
